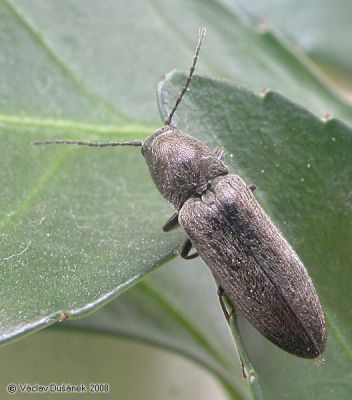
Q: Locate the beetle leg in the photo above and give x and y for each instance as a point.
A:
(252, 187)
(231, 317)
(172, 223)
(186, 248)
(222, 303)
(219, 152)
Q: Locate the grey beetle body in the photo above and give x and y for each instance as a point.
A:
(251, 261)
(256, 267)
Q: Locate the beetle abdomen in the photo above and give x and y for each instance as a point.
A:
(258, 270)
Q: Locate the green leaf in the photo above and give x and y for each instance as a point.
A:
(68, 214)
(301, 166)
(80, 226)
(87, 62)
(319, 28)
(78, 229)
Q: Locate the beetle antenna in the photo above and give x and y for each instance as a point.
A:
(202, 32)
(91, 144)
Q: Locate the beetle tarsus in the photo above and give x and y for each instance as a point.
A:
(222, 304)
(172, 223)
(185, 250)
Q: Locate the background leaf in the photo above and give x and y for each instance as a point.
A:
(131, 369)
(319, 28)
(83, 60)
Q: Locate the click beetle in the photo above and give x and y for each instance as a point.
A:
(249, 258)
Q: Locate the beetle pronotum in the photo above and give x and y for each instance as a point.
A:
(250, 259)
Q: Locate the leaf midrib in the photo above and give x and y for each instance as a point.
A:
(73, 127)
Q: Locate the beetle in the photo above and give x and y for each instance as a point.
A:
(249, 258)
